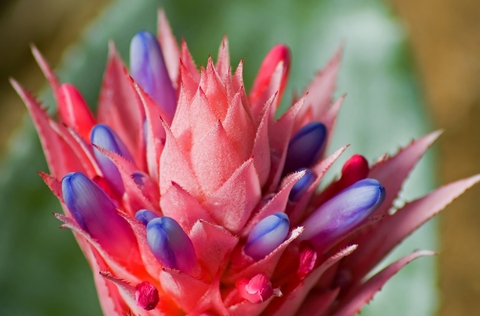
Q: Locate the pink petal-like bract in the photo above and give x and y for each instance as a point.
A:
(218, 178)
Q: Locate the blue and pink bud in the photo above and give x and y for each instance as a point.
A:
(267, 235)
(342, 213)
(104, 137)
(147, 67)
(301, 186)
(96, 214)
(170, 245)
(146, 184)
(355, 169)
(139, 178)
(306, 147)
(145, 216)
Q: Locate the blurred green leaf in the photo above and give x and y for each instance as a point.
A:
(42, 271)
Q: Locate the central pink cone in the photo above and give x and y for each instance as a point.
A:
(187, 196)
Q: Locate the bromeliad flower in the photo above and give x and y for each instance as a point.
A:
(188, 196)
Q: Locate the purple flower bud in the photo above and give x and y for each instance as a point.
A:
(95, 213)
(145, 216)
(342, 213)
(139, 177)
(103, 136)
(306, 147)
(301, 186)
(265, 200)
(267, 235)
(147, 67)
(171, 245)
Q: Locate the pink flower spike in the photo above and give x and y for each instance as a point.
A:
(192, 198)
(74, 110)
(256, 290)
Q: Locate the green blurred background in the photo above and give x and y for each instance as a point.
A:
(393, 51)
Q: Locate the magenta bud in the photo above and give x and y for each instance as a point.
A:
(171, 245)
(104, 137)
(342, 213)
(73, 110)
(147, 67)
(267, 235)
(95, 213)
(146, 296)
(306, 147)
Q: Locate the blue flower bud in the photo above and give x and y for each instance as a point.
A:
(147, 67)
(103, 136)
(342, 213)
(301, 186)
(95, 213)
(306, 147)
(145, 216)
(139, 178)
(171, 245)
(265, 200)
(267, 235)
